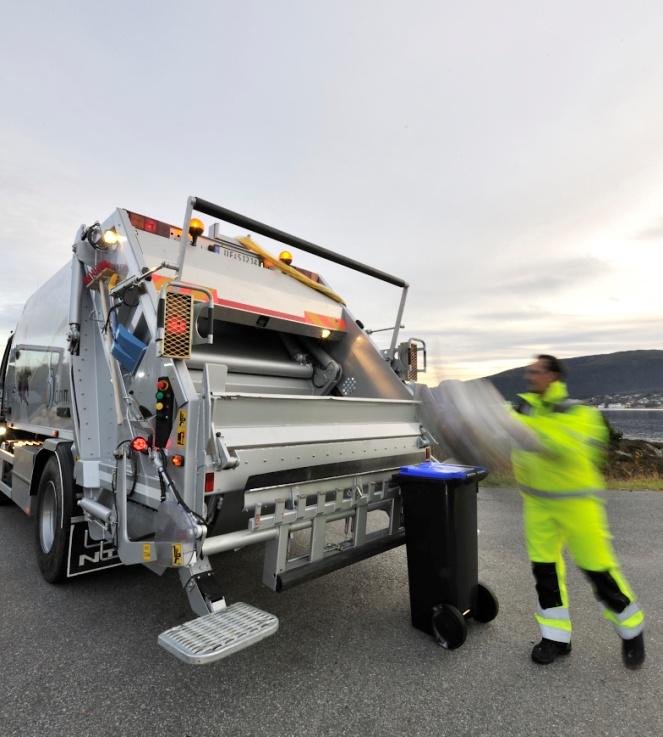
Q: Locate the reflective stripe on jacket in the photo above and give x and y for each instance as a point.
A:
(574, 437)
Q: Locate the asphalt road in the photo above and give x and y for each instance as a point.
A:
(82, 658)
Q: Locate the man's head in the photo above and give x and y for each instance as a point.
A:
(541, 374)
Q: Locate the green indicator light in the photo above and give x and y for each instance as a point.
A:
(159, 395)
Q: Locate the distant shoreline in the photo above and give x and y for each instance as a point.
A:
(631, 409)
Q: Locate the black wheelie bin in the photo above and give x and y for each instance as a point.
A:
(440, 516)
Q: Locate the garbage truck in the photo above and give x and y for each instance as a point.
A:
(169, 395)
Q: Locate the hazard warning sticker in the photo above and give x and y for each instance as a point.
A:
(181, 427)
(177, 554)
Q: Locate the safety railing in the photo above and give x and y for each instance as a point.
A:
(198, 204)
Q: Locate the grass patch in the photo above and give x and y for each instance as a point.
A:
(632, 465)
(636, 483)
(504, 479)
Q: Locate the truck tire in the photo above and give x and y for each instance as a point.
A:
(53, 520)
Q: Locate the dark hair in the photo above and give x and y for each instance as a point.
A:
(553, 364)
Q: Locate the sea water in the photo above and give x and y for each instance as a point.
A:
(640, 424)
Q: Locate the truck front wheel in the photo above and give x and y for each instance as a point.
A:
(52, 521)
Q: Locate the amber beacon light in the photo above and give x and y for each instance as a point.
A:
(196, 228)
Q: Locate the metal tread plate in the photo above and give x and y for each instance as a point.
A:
(217, 635)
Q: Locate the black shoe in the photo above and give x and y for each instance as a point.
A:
(633, 652)
(546, 651)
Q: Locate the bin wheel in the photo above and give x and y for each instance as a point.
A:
(485, 605)
(449, 626)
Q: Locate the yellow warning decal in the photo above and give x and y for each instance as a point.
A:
(147, 551)
(181, 427)
(177, 554)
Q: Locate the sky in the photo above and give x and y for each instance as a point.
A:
(505, 159)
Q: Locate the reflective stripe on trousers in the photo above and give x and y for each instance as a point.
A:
(628, 623)
(554, 623)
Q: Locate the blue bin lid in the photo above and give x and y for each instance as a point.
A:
(442, 471)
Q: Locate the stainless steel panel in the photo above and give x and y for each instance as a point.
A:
(38, 373)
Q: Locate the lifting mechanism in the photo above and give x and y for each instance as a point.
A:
(204, 396)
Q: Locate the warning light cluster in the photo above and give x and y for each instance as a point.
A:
(162, 387)
(163, 405)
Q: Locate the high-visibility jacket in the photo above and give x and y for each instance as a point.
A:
(574, 439)
(559, 484)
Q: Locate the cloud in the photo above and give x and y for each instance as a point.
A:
(553, 275)
(9, 314)
(487, 195)
(478, 349)
(533, 313)
(652, 233)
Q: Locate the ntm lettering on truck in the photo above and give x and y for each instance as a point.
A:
(169, 395)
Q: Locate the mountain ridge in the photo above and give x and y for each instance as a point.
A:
(603, 374)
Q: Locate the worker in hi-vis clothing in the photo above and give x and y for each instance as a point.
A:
(562, 508)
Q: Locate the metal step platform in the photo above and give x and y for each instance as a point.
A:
(215, 636)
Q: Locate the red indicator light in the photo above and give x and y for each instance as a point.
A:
(138, 221)
(150, 225)
(177, 326)
(209, 482)
(177, 461)
(162, 385)
(140, 445)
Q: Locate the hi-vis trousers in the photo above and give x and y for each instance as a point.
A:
(580, 524)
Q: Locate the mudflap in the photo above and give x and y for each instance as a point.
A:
(87, 555)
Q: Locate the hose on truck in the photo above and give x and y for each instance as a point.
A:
(167, 484)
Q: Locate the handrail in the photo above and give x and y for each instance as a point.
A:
(222, 213)
(228, 216)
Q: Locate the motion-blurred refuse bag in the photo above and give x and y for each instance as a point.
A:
(472, 423)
